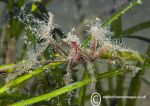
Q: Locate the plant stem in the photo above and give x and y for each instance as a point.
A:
(105, 55)
(11, 67)
(121, 12)
(135, 86)
(137, 28)
(134, 89)
(117, 28)
(23, 78)
(82, 92)
(68, 88)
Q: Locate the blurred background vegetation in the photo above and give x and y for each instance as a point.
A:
(132, 27)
